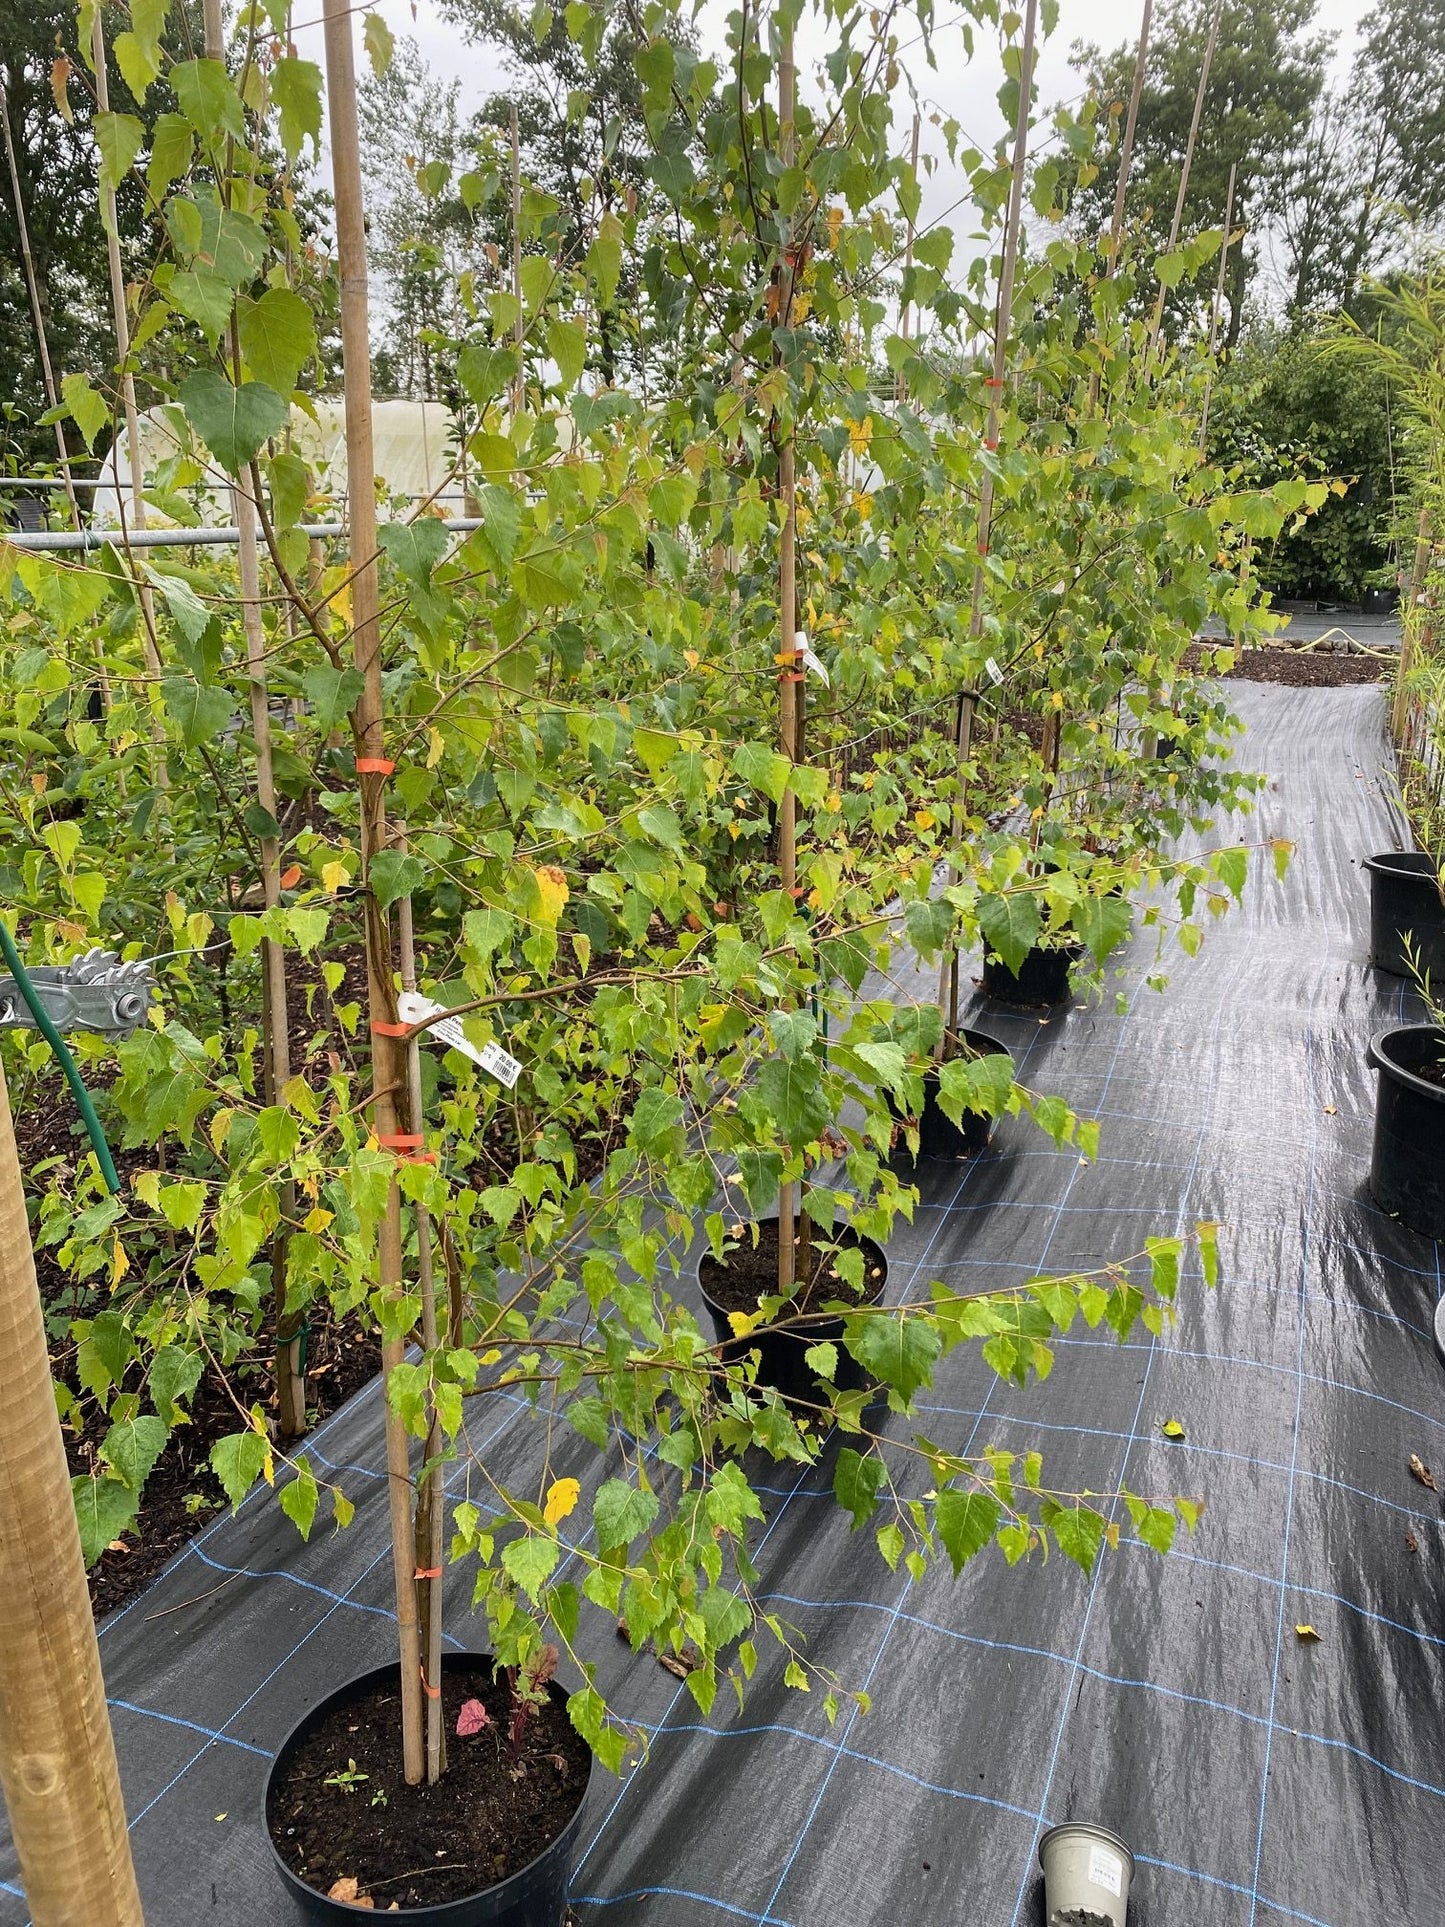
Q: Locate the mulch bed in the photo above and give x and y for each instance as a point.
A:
(181, 1494)
(1298, 668)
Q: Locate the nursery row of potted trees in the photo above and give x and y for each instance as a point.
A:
(581, 780)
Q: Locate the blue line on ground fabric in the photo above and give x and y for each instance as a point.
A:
(192, 1726)
(669, 1893)
(1306, 1223)
(1129, 1444)
(920, 1264)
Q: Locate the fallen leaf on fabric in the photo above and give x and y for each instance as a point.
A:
(680, 1665)
(220, 1816)
(1306, 1634)
(1331, 1110)
(1412, 1544)
(471, 1719)
(1172, 1429)
(1422, 1472)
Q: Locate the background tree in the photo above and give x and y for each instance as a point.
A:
(1264, 80)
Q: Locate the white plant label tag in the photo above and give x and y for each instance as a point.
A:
(993, 672)
(415, 1009)
(1106, 1870)
(809, 659)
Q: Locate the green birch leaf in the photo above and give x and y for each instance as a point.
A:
(278, 338)
(857, 1479)
(234, 423)
(207, 97)
(898, 1350)
(296, 90)
(966, 1523)
(131, 1447)
(1011, 923)
(298, 1500)
(89, 409)
(104, 1509)
(120, 138)
(172, 145)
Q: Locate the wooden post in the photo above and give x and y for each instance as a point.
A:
(388, 1070)
(57, 1756)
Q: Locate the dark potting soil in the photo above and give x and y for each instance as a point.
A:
(1298, 667)
(487, 1817)
(751, 1272)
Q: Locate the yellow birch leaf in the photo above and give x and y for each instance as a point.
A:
(561, 1500)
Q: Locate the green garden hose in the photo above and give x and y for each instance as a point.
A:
(62, 1050)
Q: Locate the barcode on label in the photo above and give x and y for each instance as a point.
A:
(993, 672)
(500, 1063)
(1106, 1870)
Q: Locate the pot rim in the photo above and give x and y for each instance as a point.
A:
(1416, 864)
(435, 1910)
(1382, 1061)
(1093, 1831)
(818, 1317)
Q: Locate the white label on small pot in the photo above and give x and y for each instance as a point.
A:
(414, 1009)
(1106, 1870)
(993, 672)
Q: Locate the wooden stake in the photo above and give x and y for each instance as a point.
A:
(387, 1066)
(790, 669)
(37, 313)
(1126, 162)
(1214, 308)
(1003, 321)
(519, 380)
(57, 1755)
(121, 322)
(906, 318)
(430, 1525)
(1410, 617)
(1179, 198)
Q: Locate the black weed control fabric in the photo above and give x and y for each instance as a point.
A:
(1259, 1777)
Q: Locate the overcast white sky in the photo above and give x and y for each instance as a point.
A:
(958, 87)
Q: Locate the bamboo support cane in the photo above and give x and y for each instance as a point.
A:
(1411, 617)
(948, 989)
(387, 1063)
(121, 323)
(1189, 146)
(1215, 306)
(290, 1381)
(789, 671)
(37, 312)
(430, 1526)
(57, 1755)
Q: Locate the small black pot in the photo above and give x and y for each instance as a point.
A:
(782, 1362)
(534, 1896)
(1042, 980)
(1405, 906)
(938, 1135)
(1407, 1168)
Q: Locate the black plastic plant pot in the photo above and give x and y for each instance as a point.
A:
(1407, 1169)
(1041, 981)
(782, 1360)
(938, 1135)
(533, 1896)
(1407, 918)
